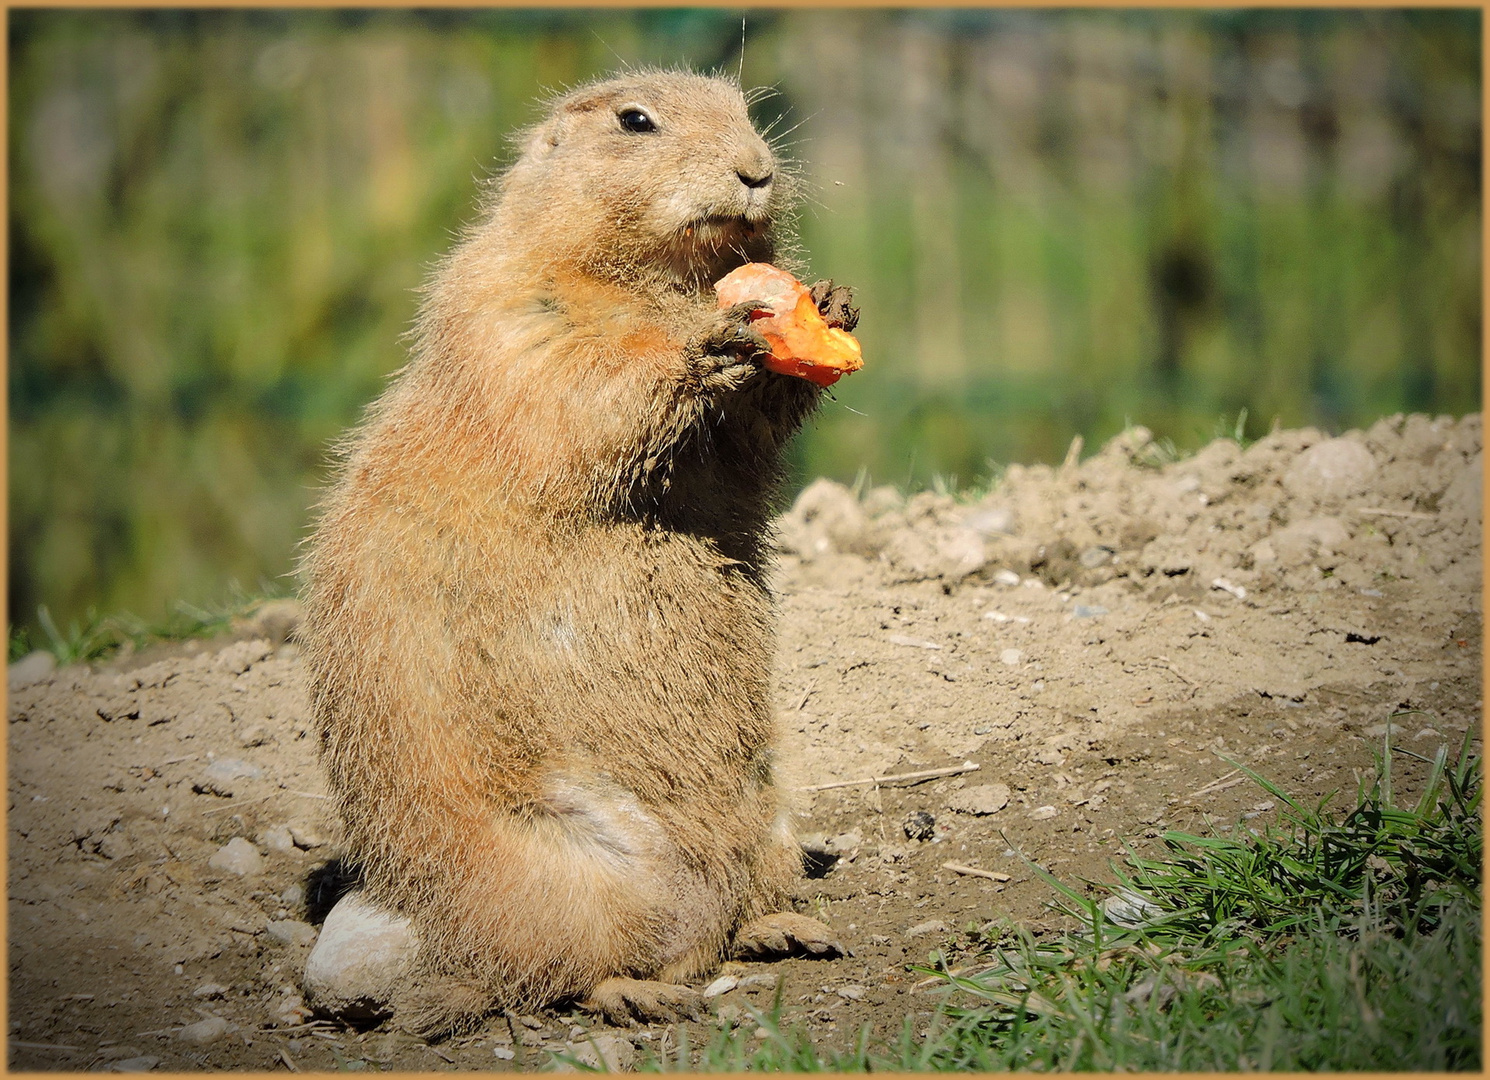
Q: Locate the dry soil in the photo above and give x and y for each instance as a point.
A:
(1097, 639)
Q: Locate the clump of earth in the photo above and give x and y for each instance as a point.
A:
(1081, 658)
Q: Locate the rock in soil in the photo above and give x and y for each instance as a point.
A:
(290, 932)
(205, 1031)
(603, 1053)
(237, 856)
(362, 955)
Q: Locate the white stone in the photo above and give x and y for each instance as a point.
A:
(1011, 657)
(361, 957)
(278, 838)
(205, 1031)
(604, 1053)
(306, 838)
(722, 985)
(290, 932)
(143, 1063)
(237, 856)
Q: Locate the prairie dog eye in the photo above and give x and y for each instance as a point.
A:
(635, 120)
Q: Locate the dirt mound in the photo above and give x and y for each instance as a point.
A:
(1089, 637)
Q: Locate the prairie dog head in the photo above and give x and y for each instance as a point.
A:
(651, 171)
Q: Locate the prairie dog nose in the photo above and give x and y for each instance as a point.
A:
(756, 176)
(755, 167)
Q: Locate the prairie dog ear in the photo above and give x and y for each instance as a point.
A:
(560, 125)
(541, 139)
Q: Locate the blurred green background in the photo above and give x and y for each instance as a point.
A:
(1058, 222)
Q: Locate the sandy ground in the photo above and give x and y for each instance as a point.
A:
(1094, 638)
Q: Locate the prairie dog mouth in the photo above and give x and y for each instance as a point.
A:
(719, 227)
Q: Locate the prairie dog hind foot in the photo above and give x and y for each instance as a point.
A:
(785, 933)
(623, 1002)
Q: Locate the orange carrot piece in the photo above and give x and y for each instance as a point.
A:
(802, 344)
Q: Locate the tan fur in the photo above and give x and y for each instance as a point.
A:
(538, 631)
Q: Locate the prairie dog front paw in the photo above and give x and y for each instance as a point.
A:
(727, 352)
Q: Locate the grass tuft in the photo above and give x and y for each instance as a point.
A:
(1326, 942)
(97, 638)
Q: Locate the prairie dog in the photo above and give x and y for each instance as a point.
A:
(538, 631)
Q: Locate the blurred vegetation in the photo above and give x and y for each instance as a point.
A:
(1058, 222)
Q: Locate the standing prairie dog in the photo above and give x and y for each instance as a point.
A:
(538, 631)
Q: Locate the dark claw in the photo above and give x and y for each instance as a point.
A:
(836, 303)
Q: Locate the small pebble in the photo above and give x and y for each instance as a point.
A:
(205, 1031)
(1011, 657)
(290, 932)
(1227, 587)
(209, 990)
(850, 993)
(604, 1053)
(237, 856)
(306, 838)
(847, 841)
(1041, 813)
(503, 1053)
(722, 985)
(278, 838)
(932, 926)
(143, 1063)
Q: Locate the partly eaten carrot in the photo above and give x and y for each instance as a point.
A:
(802, 343)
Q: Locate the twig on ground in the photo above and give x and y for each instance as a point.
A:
(284, 1056)
(234, 805)
(294, 1029)
(43, 1046)
(262, 798)
(928, 774)
(973, 871)
(1221, 783)
(1384, 512)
